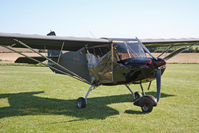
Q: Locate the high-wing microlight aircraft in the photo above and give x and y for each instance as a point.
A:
(104, 61)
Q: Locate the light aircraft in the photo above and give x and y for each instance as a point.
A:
(104, 61)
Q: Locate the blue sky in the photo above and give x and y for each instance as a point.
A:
(102, 18)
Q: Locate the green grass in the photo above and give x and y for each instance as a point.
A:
(33, 99)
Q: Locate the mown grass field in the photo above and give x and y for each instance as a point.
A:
(33, 99)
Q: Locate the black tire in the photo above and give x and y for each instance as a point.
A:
(81, 103)
(147, 108)
(137, 94)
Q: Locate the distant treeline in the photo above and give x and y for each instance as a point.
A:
(194, 49)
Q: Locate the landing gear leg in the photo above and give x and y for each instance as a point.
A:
(81, 102)
(130, 91)
(143, 93)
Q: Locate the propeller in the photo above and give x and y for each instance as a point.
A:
(145, 49)
(159, 62)
(158, 82)
(158, 70)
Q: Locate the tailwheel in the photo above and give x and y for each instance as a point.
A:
(147, 108)
(81, 103)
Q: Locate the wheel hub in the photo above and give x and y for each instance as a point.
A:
(145, 108)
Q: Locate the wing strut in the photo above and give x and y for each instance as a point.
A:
(165, 51)
(174, 53)
(46, 57)
(60, 52)
(72, 74)
(45, 64)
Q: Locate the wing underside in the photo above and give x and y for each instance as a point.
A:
(169, 42)
(50, 42)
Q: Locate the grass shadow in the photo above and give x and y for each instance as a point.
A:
(26, 103)
(153, 93)
(134, 112)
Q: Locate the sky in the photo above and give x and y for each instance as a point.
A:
(102, 18)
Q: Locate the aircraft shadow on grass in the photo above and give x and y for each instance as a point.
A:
(27, 103)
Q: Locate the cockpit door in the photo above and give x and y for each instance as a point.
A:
(100, 64)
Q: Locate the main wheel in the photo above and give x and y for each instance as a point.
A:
(137, 94)
(147, 108)
(81, 103)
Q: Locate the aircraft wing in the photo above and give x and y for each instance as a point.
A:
(183, 43)
(50, 42)
(169, 42)
(75, 43)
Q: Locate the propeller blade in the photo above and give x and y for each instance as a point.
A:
(145, 48)
(158, 83)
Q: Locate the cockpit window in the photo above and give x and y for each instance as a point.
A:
(129, 50)
(96, 54)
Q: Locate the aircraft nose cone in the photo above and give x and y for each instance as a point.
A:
(159, 62)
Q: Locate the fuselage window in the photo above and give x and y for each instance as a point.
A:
(96, 54)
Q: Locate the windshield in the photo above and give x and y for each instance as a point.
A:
(129, 50)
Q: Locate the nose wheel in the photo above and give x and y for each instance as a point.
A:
(147, 108)
(146, 102)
